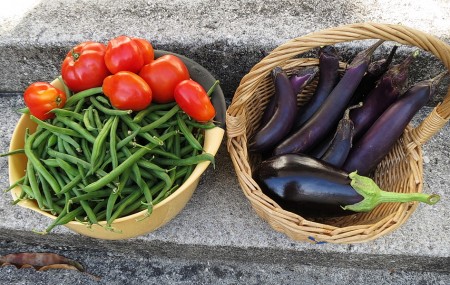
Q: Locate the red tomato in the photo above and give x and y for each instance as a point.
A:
(84, 66)
(41, 98)
(123, 54)
(163, 74)
(146, 49)
(127, 91)
(194, 101)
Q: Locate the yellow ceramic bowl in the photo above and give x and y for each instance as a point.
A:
(135, 224)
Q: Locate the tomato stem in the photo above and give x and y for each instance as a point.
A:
(75, 55)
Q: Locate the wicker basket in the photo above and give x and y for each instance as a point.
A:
(400, 171)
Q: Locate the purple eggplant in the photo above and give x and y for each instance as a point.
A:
(383, 95)
(312, 188)
(302, 77)
(299, 79)
(341, 144)
(281, 122)
(379, 139)
(374, 72)
(328, 78)
(332, 109)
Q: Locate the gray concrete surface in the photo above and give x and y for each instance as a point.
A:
(217, 238)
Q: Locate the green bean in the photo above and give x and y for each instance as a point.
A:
(99, 141)
(98, 122)
(123, 178)
(52, 140)
(112, 142)
(40, 138)
(86, 150)
(47, 195)
(67, 113)
(169, 143)
(213, 87)
(187, 149)
(99, 206)
(166, 188)
(161, 120)
(83, 94)
(121, 168)
(88, 118)
(186, 161)
(38, 165)
(84, 178)
(141, 183)
(177, 146)
(127, 201)
(16, 151)
(87, 209)
(34, 185)
(103, 100)
(50, 162)
(58, 178)
(69, 158)
(108, 111)
(188, 134)
(68, 143)
(128, 139)
(69, 186)
(64, 218)
(79, 105)
(110, 206)
(29, 192)
(153, 107)
(149, 165)
(92, 196)
(69, 169)
(104, 154)
(133, 126)
(79, 130)
(15, 184)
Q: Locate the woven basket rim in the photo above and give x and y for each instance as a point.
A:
(291, 224)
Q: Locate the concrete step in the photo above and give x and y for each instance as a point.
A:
(218, 236)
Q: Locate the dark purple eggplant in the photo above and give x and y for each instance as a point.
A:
(281, 122)
(332, 109)
(312, 188)
(379, 139)
(302, 77)
(342, 141)
(299, 79)
(383, 95)
(328, 78)
(374, 72)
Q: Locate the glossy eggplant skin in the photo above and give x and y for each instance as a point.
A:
(342, 141)
(306, 186)
(331, 111)
(374, 73)
(328, 78)
(281, 122)
(299, 80)
(381, 97)
(379, 139)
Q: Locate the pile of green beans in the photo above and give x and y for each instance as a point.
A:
(95, 163)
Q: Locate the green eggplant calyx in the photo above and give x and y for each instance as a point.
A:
(373, 195)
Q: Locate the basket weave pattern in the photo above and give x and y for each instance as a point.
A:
(400, 171)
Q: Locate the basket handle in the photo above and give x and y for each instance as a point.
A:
(360, 31)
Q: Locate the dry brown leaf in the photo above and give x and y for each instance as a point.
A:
(38, 260)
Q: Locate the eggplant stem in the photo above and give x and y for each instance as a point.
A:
(374, 196)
